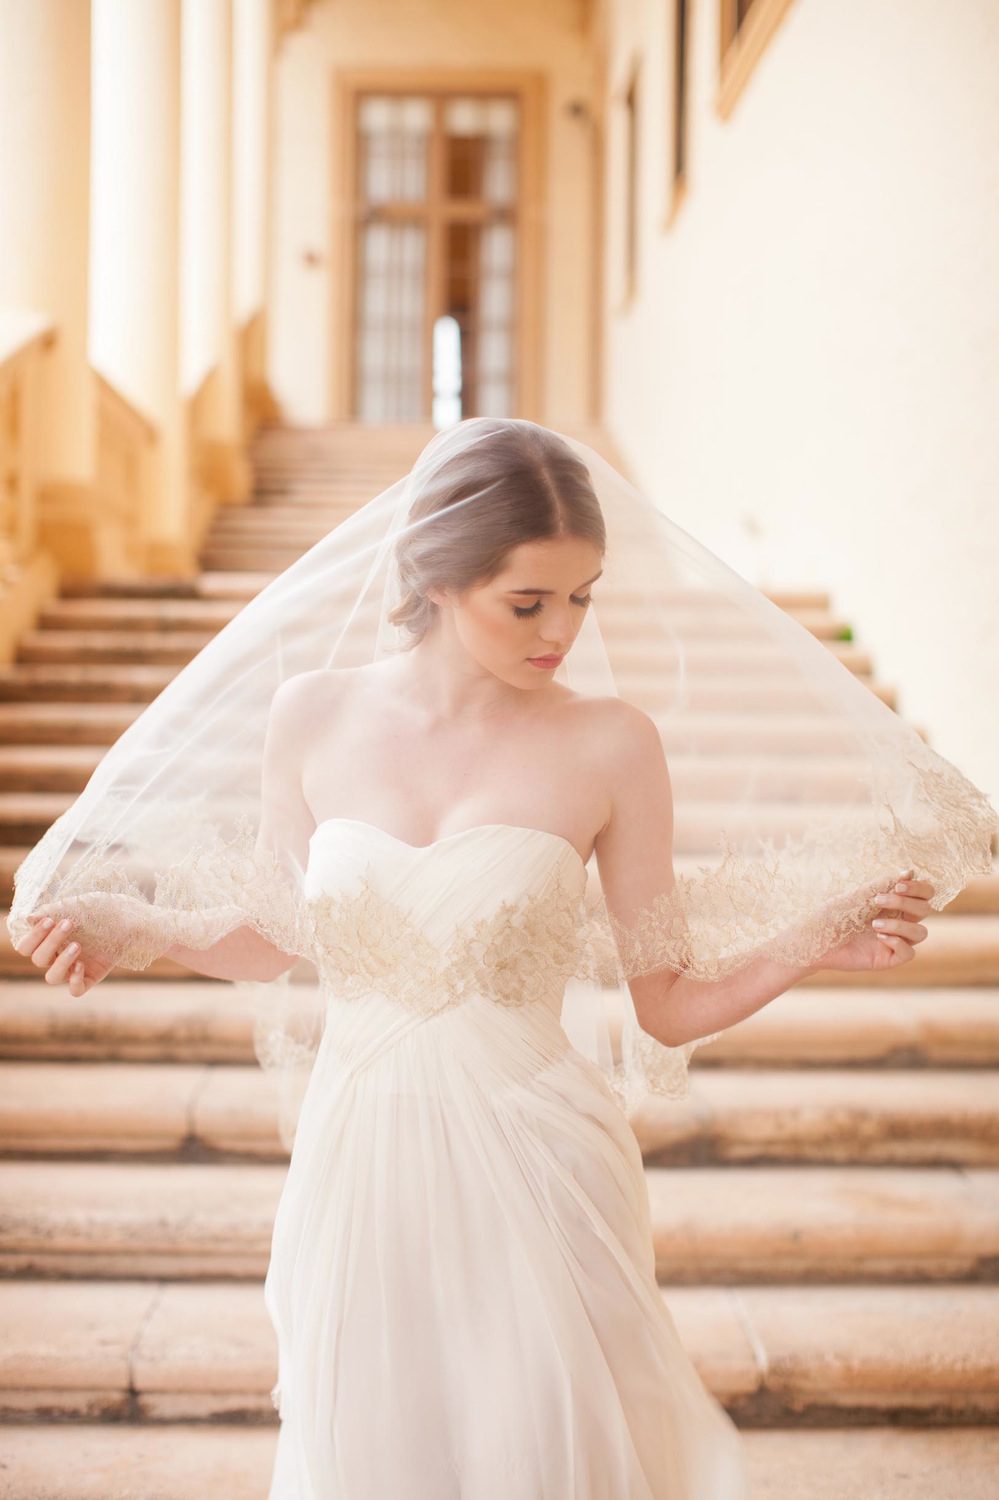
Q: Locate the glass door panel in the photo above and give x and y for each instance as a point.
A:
(436, 238)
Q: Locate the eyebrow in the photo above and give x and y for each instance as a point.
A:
(551, 591)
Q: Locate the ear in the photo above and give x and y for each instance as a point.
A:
(440, 597)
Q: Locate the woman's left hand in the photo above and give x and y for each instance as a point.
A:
(891, 944)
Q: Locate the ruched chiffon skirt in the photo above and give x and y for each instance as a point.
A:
(462, 1277)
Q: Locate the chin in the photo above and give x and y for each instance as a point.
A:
(532, 677)
(521, 676)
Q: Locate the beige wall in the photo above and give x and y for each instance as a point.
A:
(419, 33)
(808, 378)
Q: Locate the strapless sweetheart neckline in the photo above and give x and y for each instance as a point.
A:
(459, 833)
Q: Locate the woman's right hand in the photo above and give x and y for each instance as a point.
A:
(51, 946)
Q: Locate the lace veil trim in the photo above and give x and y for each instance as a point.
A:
(791, 903)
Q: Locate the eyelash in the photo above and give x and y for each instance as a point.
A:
(522, 610)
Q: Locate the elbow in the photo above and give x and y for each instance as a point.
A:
(659, 1009)
(273, 967)
(665, 1034)
(261, 973)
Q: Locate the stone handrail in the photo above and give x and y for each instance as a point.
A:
(24, 339)
(126, 443)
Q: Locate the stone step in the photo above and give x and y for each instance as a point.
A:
(137, 614)
(300, 530)
(795, 737)
(698, 615)
(204, 1020)
(168, 1351)
(694, 778)
(265, 515)
(201, 585)
(48, 768)
(143, 1461)
(720, 655)
(188, 603)
(920, 1117)
(916, 1117)
(82, 630)
(345, 443)
(18, 966)
(49, 682)
(152, 647)
(88, 681)
(127, 1019)
(819, 1224)
(207, 585)
(979, 897)
(718, 1225)
(35, 724)
(186, 1461)
(24, 816)
(961, 949)
(731, 696)
(246, 558)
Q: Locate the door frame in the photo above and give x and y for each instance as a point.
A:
(530, 328)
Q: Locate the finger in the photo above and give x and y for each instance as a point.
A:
(55, 947)
(40, 928)
(51, 944)
(77, 979)
(60, 966)
(921, 888)
(915, 905)
(900, 949)
(913, 932)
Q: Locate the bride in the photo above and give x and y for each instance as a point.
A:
(462, 1275)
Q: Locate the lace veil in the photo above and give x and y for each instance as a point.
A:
(797, 793)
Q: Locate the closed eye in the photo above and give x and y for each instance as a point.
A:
(535, 608)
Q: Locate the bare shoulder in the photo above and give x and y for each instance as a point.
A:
(622, 734)
(299, 697)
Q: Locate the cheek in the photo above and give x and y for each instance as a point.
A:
(497, 627)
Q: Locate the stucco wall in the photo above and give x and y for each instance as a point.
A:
(814, 347)
(414, 34)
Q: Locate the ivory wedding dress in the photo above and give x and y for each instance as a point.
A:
(462, 1278)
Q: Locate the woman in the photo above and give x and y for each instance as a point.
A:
(462, 1276)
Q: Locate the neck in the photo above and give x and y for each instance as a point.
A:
(445, 684)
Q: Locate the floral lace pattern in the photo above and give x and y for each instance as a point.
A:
(791, 903)
(522, 952)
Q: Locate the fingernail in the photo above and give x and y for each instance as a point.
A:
(878, 922)
(47, 921)
(882, 935)
(66, 924)
(72, 947)
(903, 885)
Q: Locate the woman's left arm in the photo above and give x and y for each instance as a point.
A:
(698, 1007)
(634, 859)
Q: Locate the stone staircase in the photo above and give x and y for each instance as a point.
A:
(825, 1202)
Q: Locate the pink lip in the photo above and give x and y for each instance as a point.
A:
(544, 661)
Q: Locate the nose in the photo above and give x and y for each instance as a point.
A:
(563, 626)
(562, 636)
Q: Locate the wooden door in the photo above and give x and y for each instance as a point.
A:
(439, 246)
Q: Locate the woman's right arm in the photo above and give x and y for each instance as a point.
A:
(286, 824)
(243, 953)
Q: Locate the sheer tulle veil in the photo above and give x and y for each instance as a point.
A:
(798, 794)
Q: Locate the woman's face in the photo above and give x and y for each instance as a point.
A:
(522, 622)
